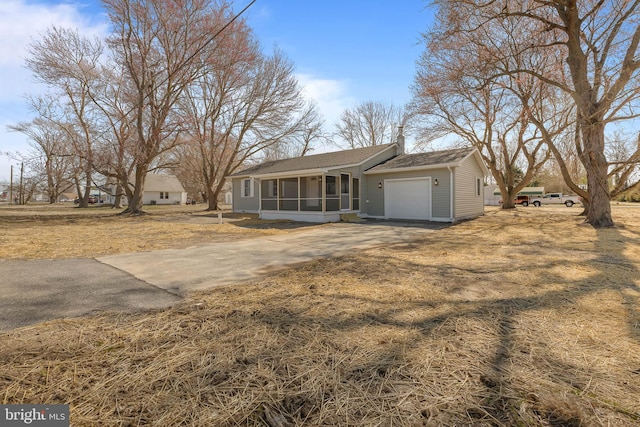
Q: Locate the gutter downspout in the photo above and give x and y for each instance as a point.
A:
(451, 216)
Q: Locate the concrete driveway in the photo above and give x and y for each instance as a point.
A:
(35, 291)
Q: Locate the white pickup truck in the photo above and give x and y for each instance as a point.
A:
(555, 199)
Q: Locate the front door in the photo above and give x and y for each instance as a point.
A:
(345, 194)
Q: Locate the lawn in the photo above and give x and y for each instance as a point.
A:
(63, 231)
(528, 317)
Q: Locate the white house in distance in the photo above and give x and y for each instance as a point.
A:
(376, 182)
(160, 189)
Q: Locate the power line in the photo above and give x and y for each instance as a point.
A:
(193, 55)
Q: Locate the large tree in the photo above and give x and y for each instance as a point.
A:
(455, 95)
(160, 46)
(246, 103)
(591, 51)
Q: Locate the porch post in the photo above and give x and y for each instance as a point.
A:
(323, 180)
(298, 194)
(259, 197)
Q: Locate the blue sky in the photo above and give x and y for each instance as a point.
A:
(345, 51)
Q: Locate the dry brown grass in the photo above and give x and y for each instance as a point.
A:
(517, 318)
(45, 232)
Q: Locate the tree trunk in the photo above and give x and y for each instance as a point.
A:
(51, 188)
(135, 202)
(508, 203)
(83, 201)
(213, 191)
(76, 182)
(212, 199)
(598, 208)
(508, 192)
(117, 201)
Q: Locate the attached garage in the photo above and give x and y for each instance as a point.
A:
(408, 198)
(443, 186)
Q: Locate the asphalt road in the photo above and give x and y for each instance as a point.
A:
(35, 291)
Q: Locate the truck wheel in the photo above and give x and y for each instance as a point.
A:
(568, 203)
(536, 204)
(525, 204)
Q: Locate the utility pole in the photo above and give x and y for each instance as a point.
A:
(21, 192)
(11, 187)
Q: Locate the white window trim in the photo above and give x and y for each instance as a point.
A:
(242, 188)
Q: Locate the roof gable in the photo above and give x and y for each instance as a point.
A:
(432, 159)
(162, 182)
(318, 161)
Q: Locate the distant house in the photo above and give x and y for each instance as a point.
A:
(159, 189)
(376, 182)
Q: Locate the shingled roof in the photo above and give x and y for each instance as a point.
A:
(423, 160)
(162, 182)
(316, 161)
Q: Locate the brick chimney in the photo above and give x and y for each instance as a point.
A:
(400, 140)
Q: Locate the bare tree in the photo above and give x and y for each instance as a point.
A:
(116, 145)
(623, 151)
(244, 104)
(68, 63)
(188, 169)
(310, 134)
(455, 94)
(591, 51)
(51, 158)
(160, 45)
(370, 123)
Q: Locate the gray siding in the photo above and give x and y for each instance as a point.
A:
(441, 193)
(245, 204)
(357, 172)
(467, 203)
(440, 200)
(373, 197)
(354, 171)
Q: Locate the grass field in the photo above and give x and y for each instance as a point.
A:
(528, 317)
(63, 231)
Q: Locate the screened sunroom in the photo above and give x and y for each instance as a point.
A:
(325, 196)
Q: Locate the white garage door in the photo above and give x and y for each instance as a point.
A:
(407, 198)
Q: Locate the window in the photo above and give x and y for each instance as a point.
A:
(332, 188)
(269, 188)
(247, 188)
(289, 188)
(356, 193)
(311, 193)
(478, 187)
(164, 195)
(344, 184)
(269, 194)
(331, 193)
(288, 194)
